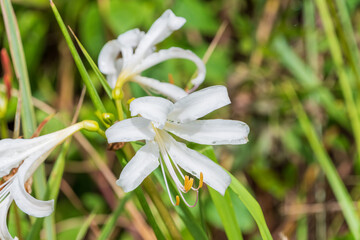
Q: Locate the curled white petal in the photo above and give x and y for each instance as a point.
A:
(4, 208)
(128, 130)
(139, 167)
(171, 91)
(107, 57)
(173, 53)
(211, 132)
(194, 163)
(161, 29)
(198, 104)
(23, 200)
(155, 109)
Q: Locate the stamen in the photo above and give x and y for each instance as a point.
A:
(177, 200)
(201, 180)
(188, 183)
(171, 79)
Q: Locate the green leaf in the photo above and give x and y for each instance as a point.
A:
(84, 228)
(111, 222)
(252, 206)
(27, 108)
(93, 65)
(84, 75)
(223, 204)
(337, 185)
(18, 59)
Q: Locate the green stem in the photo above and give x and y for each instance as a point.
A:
(324, 160)
(4, 129)
(341, 72)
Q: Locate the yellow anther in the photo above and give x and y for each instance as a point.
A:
(188, 183)
(177, 200)
(171, 79)
(130, 100)
(201, 180)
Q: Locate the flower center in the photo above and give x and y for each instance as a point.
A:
(176, 174)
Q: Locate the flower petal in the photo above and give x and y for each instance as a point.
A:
(4, 208)
(128, 130)
(161, 29)
(173, 53)
(198, 104)
(24, 200)
(107, 57)
(131, 38)
(140, 166)
(155, 109)
(194, 163)
(169, 90)
(211, 132)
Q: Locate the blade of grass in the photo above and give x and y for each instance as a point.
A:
(252, 206)
(84, 75)
(340, 68)
(93, 65)
(27, 108)
(84, 228)
(349, 36)
(324, 160)
(111, 222)
(223, 204)
(18, 58)
(308, 80)
(310, 35)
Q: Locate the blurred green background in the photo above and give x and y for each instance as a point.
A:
(263, 47)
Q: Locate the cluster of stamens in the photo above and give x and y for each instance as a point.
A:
(176, 174)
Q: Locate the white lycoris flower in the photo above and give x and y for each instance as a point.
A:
(24, 156)
(158, 116)
(137, 51)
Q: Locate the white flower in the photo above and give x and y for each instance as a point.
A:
(159, 116)
(21, 157)
(137, 51)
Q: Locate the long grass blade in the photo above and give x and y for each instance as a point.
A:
(340, 68)
(18, 58)
(252, 206)
(94, 67)
(308, 80)
(324, 160)
(111, 222)
(223, 204)
(84, 75)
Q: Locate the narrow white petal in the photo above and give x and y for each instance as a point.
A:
(171, 91)
(107, 57)
(23, 200)
(4, 208)
(211, 132)
(29, 204)
(155, 109)
(199, 103)
(194, 163)
(174, 53)
(128, 130)
(14, 151)
(161, 29)
(140, 166)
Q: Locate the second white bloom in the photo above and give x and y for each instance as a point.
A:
(159, 116)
